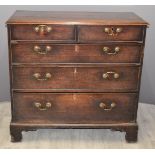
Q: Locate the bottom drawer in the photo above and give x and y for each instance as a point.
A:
(74, 107)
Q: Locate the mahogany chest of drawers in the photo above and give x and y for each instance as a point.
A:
(75, 70)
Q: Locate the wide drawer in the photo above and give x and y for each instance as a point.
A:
(98, 79)
(74, 107)
(43, 32)
(110, 33)
(64, 53)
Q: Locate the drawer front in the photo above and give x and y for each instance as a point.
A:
(74, 107)
(41, 32)
(110, 33)
(110, 78)
(61, 53)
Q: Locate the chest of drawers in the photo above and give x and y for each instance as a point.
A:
(75, 70)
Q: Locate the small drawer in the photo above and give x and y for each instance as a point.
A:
(97, 79)
(43, 32)
(88, 53)
(74, 107)
(110, 33)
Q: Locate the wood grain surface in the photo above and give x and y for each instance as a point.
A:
(99, 18)
(76, 53)
(72, 108)
(83, 78)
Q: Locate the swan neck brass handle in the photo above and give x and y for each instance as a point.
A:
(42, 29)
(41, 51)
(107, 75)
(37, 76)
(43, 107)
(107, 108)
(111, 31)
(108, 51)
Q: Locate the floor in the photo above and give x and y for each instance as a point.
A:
(80, 138)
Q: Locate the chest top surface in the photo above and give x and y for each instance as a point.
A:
(72, 18)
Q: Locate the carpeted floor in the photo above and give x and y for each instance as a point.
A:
(80, 138)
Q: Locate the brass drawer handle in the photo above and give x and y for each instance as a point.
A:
(108, 51)
(39, 50)
(113, 31)
(105, 107)
(42, 29)
(43, 107)
(107, 75)
(37, 76)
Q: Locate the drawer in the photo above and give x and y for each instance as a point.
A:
(110, 33)
(97, 79)
(68, 53)
(74, 107)
(43, 32)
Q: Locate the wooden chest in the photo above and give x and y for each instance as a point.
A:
(75, 70)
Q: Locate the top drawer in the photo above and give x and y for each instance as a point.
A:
(110, 33)
(43, 32)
